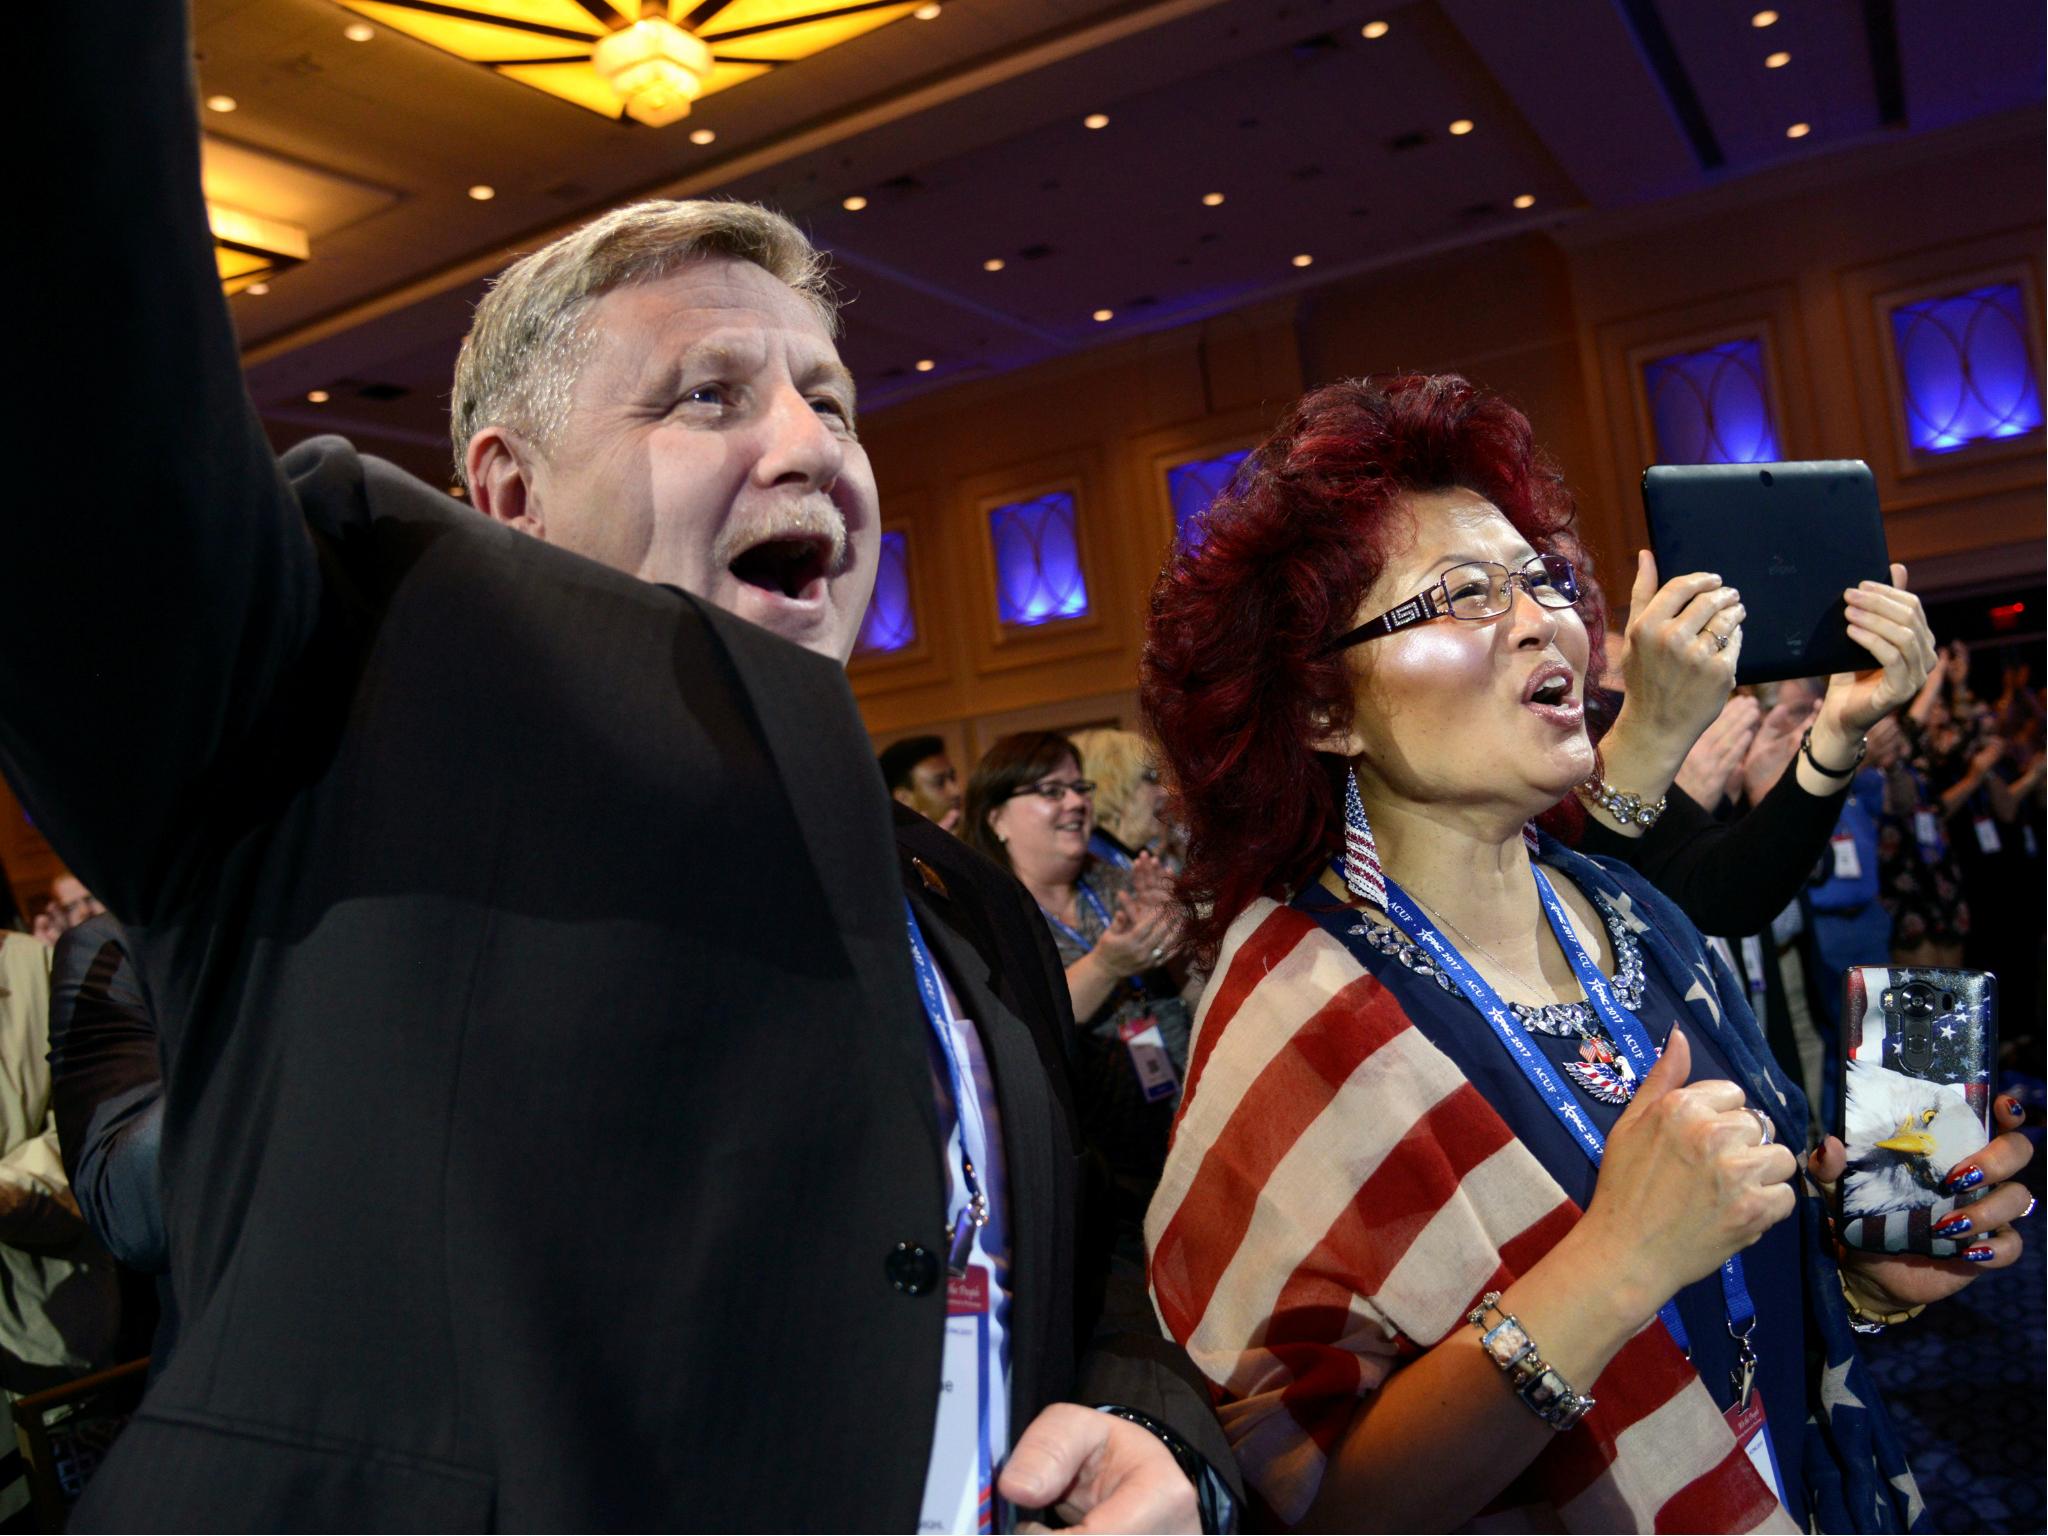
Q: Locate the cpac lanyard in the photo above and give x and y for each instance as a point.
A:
(1094, 905)
(973, 1215)
(1628, 1033)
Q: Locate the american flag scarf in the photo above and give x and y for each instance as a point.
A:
(1337, 1196)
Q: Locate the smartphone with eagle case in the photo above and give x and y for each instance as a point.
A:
(1918, 1044)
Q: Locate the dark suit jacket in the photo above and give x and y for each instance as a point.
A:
(546, 1087)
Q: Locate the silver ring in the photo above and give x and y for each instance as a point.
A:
(1766, 1132)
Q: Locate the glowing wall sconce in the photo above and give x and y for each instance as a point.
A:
(1712, 406)
(1192, 486)
(1038, 560)
(891, 623)
(1966, 369)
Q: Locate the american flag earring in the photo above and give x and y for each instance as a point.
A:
(1362, 874)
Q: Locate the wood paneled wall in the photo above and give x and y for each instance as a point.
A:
(1555, 318)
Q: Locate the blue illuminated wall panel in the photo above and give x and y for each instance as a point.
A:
(1038, 560)
(890, 624)
(1712, 406)
(1966, 368)
(1193, 486)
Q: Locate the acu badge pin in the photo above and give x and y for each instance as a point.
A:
(930, 877)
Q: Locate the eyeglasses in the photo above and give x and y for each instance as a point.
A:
(1055, 790)
(1479, 589)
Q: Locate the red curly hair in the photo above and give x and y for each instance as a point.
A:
(1237, 674)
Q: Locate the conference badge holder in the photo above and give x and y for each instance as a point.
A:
(1142, 1037)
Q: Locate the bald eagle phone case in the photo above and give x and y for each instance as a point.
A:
(1918, 1046)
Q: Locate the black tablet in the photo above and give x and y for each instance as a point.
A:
(1790, 537)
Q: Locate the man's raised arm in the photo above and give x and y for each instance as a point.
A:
(155, 577)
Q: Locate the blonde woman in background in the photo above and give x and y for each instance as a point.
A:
(1129, 801)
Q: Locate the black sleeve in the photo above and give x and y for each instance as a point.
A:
(106, 1087)
(148, 521)
(1730, 878)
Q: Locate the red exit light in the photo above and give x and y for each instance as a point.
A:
(2007, 615)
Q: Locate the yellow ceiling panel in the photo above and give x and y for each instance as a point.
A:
(725, 76)
(764, 13)
(804, 38)
(481, 41)
(566, 14)
(578, 83)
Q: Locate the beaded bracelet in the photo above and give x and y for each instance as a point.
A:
(1624, 807)
(1508, 1345)
(1872, 1322)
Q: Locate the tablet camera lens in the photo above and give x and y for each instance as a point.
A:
(1764, 475)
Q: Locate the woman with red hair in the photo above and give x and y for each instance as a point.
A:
(1477, 1201)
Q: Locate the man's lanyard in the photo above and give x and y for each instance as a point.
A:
(972, 1216)
(1095, 905)
(1628, 1033)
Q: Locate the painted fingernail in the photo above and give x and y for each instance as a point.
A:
(1966, 1177)
(2023, 1215)
(1952, 1226)
(1980, 1253)
(2015, 1108)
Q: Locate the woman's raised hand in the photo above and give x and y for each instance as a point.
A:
(1141, 935)
(1886, 621)
(1683, 1185)
(1676, 669)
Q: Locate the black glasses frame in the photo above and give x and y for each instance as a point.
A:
(1434, 600)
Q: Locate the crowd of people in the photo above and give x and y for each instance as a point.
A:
(555, 1081)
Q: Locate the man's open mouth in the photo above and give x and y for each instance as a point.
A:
(794, 567)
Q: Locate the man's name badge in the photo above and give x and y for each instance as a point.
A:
(1847, 865)
(1142, 1038)
(1987, 835)
(1754, 1436)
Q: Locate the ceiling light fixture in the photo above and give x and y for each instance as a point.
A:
(359, 31)
(317, 396)
(925, 365)
(1212, 199)
(1095, 120)
(1461, 127)
(1104, 316)
(1777, 60)
(482, 193)
(702, 135)
(1526, 200)
(220, 103)
(247, 248)
(853, 204)
(1798, 130)
(994, 264)
(595, 55)
(1764, 19)
(930, 12)
(1374, 29)
(257, 290)
(1304, 260)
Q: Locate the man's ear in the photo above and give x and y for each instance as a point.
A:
(902, 796)
(501, 481)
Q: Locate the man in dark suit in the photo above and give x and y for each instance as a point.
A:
(550, 1130)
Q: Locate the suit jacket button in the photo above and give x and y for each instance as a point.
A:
(912, 1269)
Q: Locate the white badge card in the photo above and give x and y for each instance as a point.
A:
(1987, 835)
(1142, 1038)
(955, 1503)
(1753, 962)
(1848, 866)
(1753, 1434)
(1926, 830)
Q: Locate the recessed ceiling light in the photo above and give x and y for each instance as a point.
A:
(853, 204)
(456, 491)
(1304, 260)
(317, 396)
(1104, 315)
(1526, 200)
(1374, 29)
(1798, 130)
(359, 31)
(1212, 199)
(258, 289)
(994, 264)
(1095, 120)
(702, 135)
(1764, 19)
(482, 193)
(928, 12)
(220, 103)
(1461, 127)
(1777, 60)
(925, 365)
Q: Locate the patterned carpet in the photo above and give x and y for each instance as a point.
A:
(1964, 1383)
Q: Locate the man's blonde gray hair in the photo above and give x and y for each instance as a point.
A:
(519, 362)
